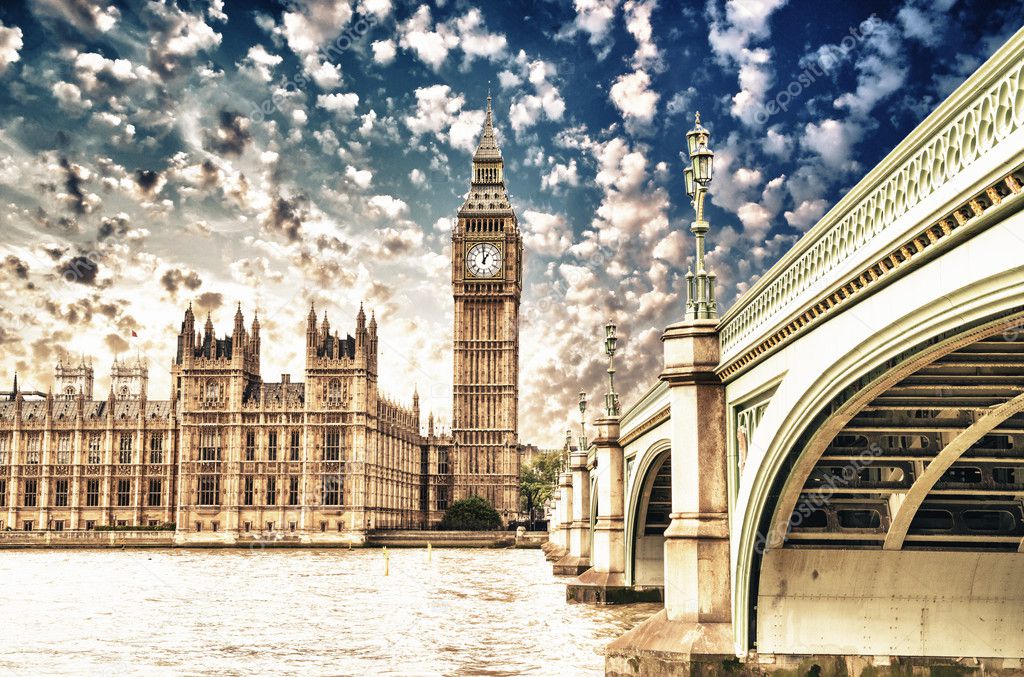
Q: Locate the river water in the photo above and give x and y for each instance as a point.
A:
(472, 612)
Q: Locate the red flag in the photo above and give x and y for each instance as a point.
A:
(134, 335)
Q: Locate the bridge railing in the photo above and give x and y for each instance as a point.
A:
(983, 111)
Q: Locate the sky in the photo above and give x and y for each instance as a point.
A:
(274, 154)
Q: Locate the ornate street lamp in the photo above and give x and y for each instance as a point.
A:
(583, 421)
(611, 400)
(700, 284)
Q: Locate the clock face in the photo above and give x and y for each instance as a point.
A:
(483, 260)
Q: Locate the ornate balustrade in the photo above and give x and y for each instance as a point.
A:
(980, 114)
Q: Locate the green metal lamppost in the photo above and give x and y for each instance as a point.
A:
(700, 284)
(611, 400)
(583, 421)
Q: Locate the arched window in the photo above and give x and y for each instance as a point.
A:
(334, 389)
(212, 390)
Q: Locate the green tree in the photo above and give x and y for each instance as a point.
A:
(538, 479)
(471, 514)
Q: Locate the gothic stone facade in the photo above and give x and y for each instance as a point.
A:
(229, 456)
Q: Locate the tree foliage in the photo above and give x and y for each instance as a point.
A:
(471, 514)
(538, 479)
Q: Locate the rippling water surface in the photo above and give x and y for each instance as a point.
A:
(483, 612)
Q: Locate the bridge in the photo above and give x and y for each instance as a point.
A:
(833, 471)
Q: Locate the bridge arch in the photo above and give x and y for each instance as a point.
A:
(645, 552)
(795, 432)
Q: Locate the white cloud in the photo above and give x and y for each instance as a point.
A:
(259, 63)
(833, 141)
(925, 21)
(745, 22)
(417, 177)
(561, 175)
(431, 43)
(465, 129)
(69, 97)
(430, 46)
(632, 95)
(91, 67)
(776, 142)
(507, 79)
(360, 177)
(378, 8)
(384, 51)
(881, 70)
(441, 114)
(309, 28)
(806, 214)
(638, 23)
(671, 248)
(10, 46)
(388, 206)
(342, 105)
(474, 39)
(546, 101)
(368, 121)
(593, 17)
(546, 234)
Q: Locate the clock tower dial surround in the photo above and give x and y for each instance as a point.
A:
(487, 255)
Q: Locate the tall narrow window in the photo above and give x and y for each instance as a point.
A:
(293, 491)
(60, 493)
(31, 487)
(272, 445)
(209, 490)
(94, 448)
(124, 493)
(5, 448)
(209, 445)
(332, 490)
(332, 444)
(155, 493)
(295, 445)
(64, 449)
(250, 445)
(3, 493)
(32, 446)
(125, 449)
(248, 490)
(92, 493)
(271, 491)
(156, 448)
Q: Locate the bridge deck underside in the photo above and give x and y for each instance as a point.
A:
(936, 461)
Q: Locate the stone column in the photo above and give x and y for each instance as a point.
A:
(564, 508)
(605, 581)
(696, 625)
(577, 560)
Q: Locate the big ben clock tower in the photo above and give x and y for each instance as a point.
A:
(487, 271)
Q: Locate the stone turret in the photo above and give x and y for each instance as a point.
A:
(71, 380)
(129, 379)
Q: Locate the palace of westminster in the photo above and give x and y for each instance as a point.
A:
(325, 459)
